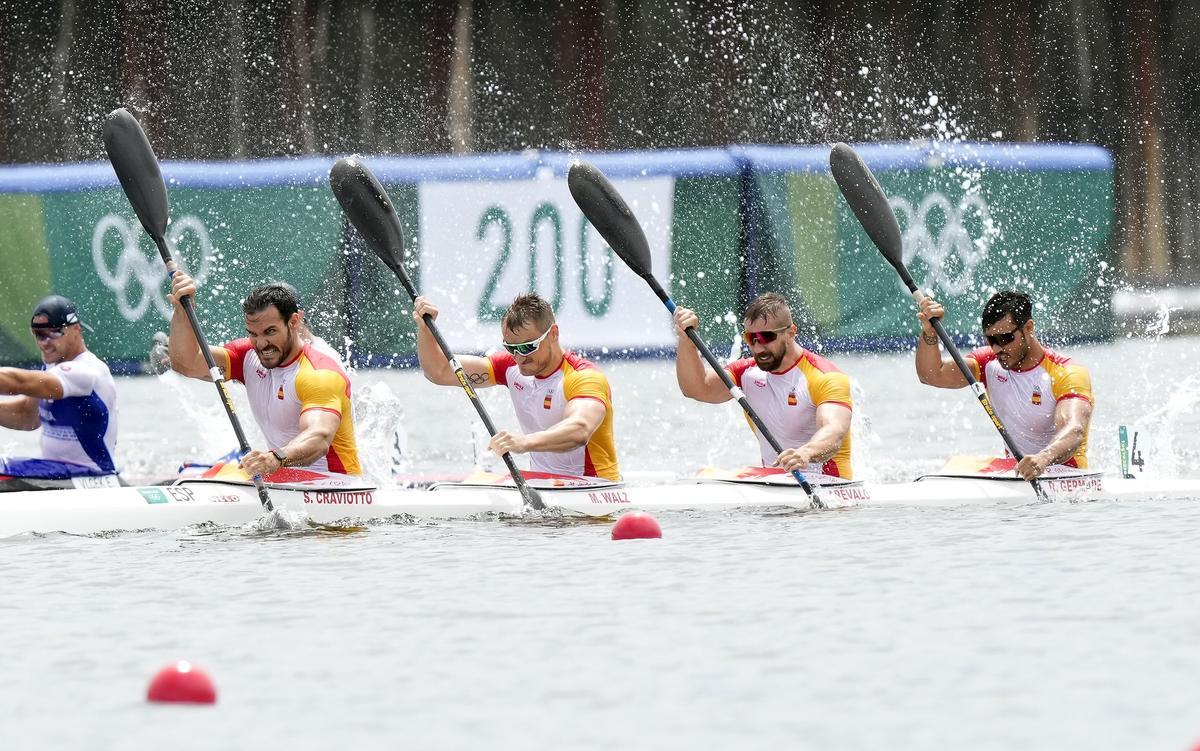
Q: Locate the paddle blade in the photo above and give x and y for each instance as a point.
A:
(868, 202)
(137, 168)
(370, 210)
(610, 215)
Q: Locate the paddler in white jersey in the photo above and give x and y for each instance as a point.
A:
(72, 399)
(299, 394)
(1043, 398)
(803, 399)
(563, 402)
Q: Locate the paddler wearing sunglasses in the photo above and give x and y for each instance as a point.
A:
(72, 399)
(1043, 398)
(803, 399)
(562, 401)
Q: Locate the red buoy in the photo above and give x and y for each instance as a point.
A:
(182, 682)
(636, 526)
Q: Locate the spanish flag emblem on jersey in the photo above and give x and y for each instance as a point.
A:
(1036, 397)
(279, 394)
(791, 398)
(546, 402)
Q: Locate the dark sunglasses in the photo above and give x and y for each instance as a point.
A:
(764, 337)
(1001, 340)
(45, 335)
(525, 349)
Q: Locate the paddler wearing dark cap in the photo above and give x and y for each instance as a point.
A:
(72, 399)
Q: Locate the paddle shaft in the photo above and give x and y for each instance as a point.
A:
(975, 386)
(531, 497)
(214, 372)
(734, 391)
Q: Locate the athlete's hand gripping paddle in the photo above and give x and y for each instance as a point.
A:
(611, 216)
(370, 210)
(137, 168)
(870, 205)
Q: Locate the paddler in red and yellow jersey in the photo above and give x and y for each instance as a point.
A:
(299, 394)
(802, 398)
(1043, 398)
(563, 402)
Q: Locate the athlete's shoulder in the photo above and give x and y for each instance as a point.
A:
(1057, 358)
(1068, 378)
(84, 362)
(238, 348)
(319, 359)
(499, 363)
(81, 375)
(577, 362)
(325, 348)
(819, 363)
(738, 367)
(92, 359)
(826, 383)
(581, 378)
(982, 355)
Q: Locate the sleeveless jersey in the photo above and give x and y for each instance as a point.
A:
(278, 396)
(1025, 400)
(541, 402)
(81, 428)
(787, 402)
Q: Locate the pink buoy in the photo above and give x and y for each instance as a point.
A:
(636, 526)
(182, 683)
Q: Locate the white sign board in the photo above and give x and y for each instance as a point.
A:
(483, 243)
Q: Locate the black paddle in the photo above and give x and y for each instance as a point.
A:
(871, 206)
(612, 218)
(370, 210)
(137, 168)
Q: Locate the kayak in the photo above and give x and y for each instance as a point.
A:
(348, 501)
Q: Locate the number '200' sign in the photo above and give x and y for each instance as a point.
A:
(495, 222)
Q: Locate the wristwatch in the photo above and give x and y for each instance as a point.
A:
(282, 457)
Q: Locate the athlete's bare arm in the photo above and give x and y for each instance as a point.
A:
(833, 425)
(931, 368)
(317, 429)
(581, 419)
(433, 361)
(696, 380)
(182, 347)
(1071, 420)
(19, 413)
(39, 384)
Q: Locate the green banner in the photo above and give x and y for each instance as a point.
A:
(721, 225)
(25, 271)
(965, 236)
(230, 240)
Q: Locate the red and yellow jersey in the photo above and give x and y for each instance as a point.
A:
(1025, 400)
(541, 402)
(278, 396)
(787, 402)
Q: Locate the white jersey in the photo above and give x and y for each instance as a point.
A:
(541, 403)
(787, 401)
(1026, 401)
(81, 428)
(278, 396)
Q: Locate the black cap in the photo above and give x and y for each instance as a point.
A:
(58, 311)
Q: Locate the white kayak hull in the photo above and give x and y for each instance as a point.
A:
(193, 502)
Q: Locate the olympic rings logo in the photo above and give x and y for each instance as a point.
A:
(951, 256)
(141, 272)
